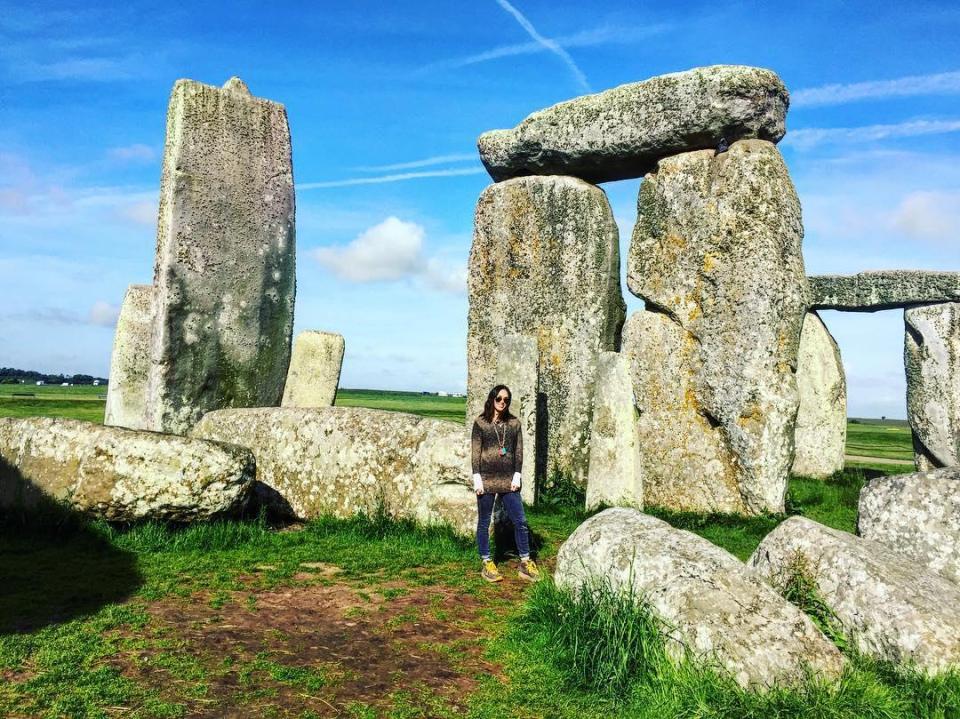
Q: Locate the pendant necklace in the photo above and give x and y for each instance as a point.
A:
(501, 441)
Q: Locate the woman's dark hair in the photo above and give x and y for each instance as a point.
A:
(488, 405)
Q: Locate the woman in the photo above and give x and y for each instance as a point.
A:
(497, 454)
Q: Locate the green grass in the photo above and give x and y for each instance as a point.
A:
(448, 408)
(874, 438)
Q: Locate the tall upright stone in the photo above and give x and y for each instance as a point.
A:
(130, 361)
(314, 373)
(931, 355)
(545, 261)
(615, 477)
(517, 367)
(716, 256)
(821, 433)
(224, 269)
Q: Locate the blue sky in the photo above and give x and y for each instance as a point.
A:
(386, 101)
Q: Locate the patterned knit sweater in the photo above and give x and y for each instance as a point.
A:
(494, 468)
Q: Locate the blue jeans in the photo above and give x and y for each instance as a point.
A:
(513, 505)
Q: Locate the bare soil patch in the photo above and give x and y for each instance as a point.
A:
(324, 646)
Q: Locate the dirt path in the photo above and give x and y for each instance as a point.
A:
(331, 648)
(877, 460)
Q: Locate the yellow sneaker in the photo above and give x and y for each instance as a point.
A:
(528, 570)
(490, 572)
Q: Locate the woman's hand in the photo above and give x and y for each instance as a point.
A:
(515, 484)
(478, 484)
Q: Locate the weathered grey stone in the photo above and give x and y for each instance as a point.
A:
(890, 607)
(224, 271)
(882, 290)
(314, 373)
(545, 261)
(615, 477)
(917, 516)
(821, 433)
(344, 460)
(623, 132)
(518, 368)
(120, 474)
(684, 462)
(716, 252)
(130, 361)
(931, 356)
(717, 608)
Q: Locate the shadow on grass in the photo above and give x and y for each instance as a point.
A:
(54, 563)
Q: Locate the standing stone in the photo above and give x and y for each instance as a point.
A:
(545, 261)
(130, 361)
(623, 132)
(224, 271)
(890, 607)
(615, 477)
(716, 256)
(711, 604)
(314, 373)
(517, 368)
(821, 433)
(916, 515)
(931, 355)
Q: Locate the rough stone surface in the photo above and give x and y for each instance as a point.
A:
(716, 256)
(314, 373)
(719, 609)
(615, 477)
(545, 261)
(224, 268)
(931, 356)
(623, 132)
(120, 474)
(890, 607)
(130, 361)
(344, 460)
(917, 516)
(518, 368)
(821, 433)
(882, 290)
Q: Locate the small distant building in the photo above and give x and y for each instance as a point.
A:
(443, 394)
(64, 384)
(40, 382)
(96, 383)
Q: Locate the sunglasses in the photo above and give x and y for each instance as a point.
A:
(503, 399)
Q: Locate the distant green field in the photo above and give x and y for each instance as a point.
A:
(873, 438)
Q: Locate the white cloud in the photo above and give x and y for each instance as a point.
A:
(426, 162)
(103, 314)
(389, 251)
(547, 43)
(141, 212)
(807, 138)
(132, 153)
(390, 178)
(603, 35)
(943, 83)
(929, 216)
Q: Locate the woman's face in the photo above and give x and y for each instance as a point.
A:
(501, 401)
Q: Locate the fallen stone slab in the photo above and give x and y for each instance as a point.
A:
(882, 290)
(623, 132)
(821, 431)
(931, 356)
(615, 477)
(130, 360)
(891, 607)
(314, 373)
(716, 252)
(718, 609)
(917, 516)
(345, 460)
(224, 268)
(545, 262)
(119, 474)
